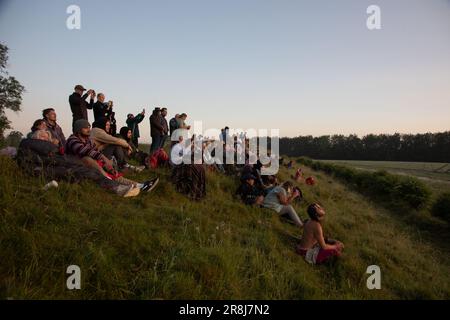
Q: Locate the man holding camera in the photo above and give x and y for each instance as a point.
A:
(78, 103)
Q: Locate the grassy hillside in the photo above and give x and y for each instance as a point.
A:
(163, 246)
(436, 174)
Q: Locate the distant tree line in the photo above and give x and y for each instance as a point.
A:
(428, 147)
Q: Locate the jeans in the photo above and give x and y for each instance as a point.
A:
(156, 143)
(290, 211)
(163, 140)
(117, 152)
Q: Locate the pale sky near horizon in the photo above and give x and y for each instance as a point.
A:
(304, 67)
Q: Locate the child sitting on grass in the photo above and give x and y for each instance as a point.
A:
(313, 246)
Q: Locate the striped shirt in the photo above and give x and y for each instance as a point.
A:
(80, 148)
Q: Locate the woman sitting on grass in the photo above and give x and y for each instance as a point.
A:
(134, 153)
(279, 199)
(314, 247)
(39, 131)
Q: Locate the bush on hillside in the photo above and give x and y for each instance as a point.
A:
(441, 207)
(380, 184)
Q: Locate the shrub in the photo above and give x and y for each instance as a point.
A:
(413, 192)
(380, 184)
(441, 207)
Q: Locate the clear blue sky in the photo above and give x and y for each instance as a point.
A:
(305, 67)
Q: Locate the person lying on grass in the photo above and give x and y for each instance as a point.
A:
(249, 192)
(280, 198)
(314, 247)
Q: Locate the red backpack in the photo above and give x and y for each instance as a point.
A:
(158, 158)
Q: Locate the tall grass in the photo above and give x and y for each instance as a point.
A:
(163, 246)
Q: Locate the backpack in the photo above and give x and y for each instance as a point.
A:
(158, 158)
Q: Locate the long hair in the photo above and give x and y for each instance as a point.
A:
(36, 125)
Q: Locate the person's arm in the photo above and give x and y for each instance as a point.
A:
(83, 150)
(318, 235)
(139, 118)
(284, 199)
(101, 136)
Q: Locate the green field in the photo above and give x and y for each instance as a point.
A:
(437, 175)
(164, 246)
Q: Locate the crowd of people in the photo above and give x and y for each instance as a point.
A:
(101, 154)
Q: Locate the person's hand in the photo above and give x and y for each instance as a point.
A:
(109, 165)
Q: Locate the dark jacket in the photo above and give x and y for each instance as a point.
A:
(133, 124)
(155, 125)
(79, 106)
(165, 125)
(248, 193)
(173, 125)
(57, 133)
(100, 110)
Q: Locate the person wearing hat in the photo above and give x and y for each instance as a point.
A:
(80, 145)
(133, 124)
(78, 103)
(249, 192)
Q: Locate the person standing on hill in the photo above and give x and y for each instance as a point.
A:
(165, 127)
(78, 103)
(100, 107)
(314, 247)
(133, 124)
(156, 130)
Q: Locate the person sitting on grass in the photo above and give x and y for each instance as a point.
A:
(188, 178)
(49, 116)
(249, 193)
(126, 134)
(280, 198)
(41, 158)
(298, 175)
(80, 145)
(314, 247)
(111, 146)
(39, 132)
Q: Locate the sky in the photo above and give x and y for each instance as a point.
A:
(303, 67)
